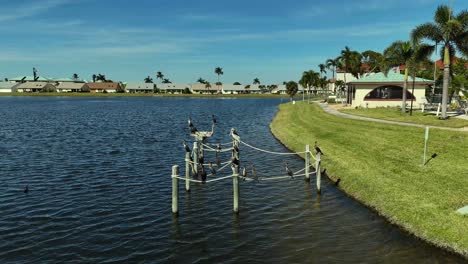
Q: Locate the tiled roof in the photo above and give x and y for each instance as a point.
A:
(392, 77)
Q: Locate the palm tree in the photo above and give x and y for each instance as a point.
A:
(308, 79)
(399, 53)
(166, 81)
(322, 68)
(75, 77)
(94, 77)
(160, 75)
(291, 89)
(208, 86)
(219, 71)
(331, 64)
(201, 80)
(350, 62)
(256, 81)
(148, 79)
(404, 52)
(452, 32)
(101, 77)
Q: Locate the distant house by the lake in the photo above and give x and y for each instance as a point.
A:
(35, 87)
(7, 87)
(69, 87)
(175, 88)
(102, 87)
(139, 87)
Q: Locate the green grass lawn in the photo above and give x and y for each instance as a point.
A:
(395, 114)
(381, 166)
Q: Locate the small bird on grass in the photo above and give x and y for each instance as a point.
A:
(317, 149)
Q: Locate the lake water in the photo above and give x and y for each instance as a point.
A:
(98, 171)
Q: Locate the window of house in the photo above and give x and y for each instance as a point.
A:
(388, 92)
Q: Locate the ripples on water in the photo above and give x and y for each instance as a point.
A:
(99, 169)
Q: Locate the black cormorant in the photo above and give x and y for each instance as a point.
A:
(289, 171)
(317, 149)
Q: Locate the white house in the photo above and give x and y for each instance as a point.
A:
(7, 87)
(232, 89)
(175, 88)
(35, 87)
(139, 87)
(69, 87)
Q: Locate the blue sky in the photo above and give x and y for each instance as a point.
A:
(273, 40)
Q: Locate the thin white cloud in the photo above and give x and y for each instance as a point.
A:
(31, 9)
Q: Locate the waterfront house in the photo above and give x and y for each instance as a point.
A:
(281, 89)
(7, 87)
(232, 89)
(174, 88)
(69, 87)
(103, 87)
(139, 87)
(253, 89)
(378, 90)
(35, 87)
(201, 88)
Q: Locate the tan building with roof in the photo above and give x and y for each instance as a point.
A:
(380, 90)
(31, 87)
(202, 89)
(69, 87)
(103, 87)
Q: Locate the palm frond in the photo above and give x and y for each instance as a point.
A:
(442, 15)
(427, 31)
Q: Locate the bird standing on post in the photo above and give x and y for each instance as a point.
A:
(289, 171)
(187, 148)
(244, 173)
(317, 149)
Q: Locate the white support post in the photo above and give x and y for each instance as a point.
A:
(426, 138)
(317, 172)
(195, 157)
(187, 171)
(307, 163)
(438, 110)
(175, 189)
(235, 187)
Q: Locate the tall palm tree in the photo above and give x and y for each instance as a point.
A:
(404, 52)
(166, 81)
(160, 75)
(148, 79)
(331, 64)
(218, 71)
(208, 86)
(75, 77)
(201, 80)
(308, 79)
(344, 62)
(322, 68)
(452, 32)
(256, 81)
(94, 77)
(399, 53)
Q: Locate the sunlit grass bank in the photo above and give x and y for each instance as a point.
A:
(417, 117)
(381, 166)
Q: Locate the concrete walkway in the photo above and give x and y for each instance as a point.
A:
(350, 116)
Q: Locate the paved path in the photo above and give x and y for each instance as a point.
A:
(345, 115)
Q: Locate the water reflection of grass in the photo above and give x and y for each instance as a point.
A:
(381, 165)
(395, 114)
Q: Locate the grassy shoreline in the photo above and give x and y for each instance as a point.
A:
(150, 95)
(394, 114)
(380, 165)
